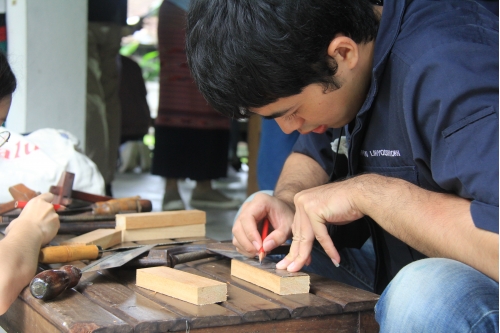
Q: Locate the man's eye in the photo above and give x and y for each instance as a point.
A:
(291, 116)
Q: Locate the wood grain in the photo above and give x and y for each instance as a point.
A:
(250, 307)
(300, 305)
(185, 286)
(350, 298)
(104, 238)
(141, 313)
(73, 312)
(183, 231)
(160, 219)
(268, 277)
(196, 316)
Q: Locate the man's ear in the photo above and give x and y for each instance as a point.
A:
(344, 50)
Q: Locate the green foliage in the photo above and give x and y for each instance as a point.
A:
(129, 49)
(150, 64)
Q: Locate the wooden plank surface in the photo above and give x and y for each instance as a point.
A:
(160, 219)
(109, 301)
(341, 323)
(266, 275)
(141, 313)
(183, 231)
(185, 286)
(250, 307)
(197, 316)
(350, 298)
(300, 305)
(104, 238)
(23, 318)
(73, 312)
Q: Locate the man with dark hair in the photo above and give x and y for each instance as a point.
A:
(410, 88)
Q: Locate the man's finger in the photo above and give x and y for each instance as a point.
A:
(46, 196)
(321, 234)
(304, 235)
(242, 241)
(241, 250)
(292, 254)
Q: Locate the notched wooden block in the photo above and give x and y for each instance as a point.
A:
(160, 219)
(278, 281)
(181, 285)
(105, 238)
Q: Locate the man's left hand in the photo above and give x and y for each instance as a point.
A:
(331, 203)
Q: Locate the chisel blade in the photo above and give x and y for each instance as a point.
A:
(117, 259)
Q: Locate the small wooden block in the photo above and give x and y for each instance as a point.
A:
(278, 281)
(160, 219)
(195, 230)
(184, 286)
(105, 238)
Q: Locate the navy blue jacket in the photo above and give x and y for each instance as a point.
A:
(431, 114)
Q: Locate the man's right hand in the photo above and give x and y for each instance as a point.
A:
(246, 236)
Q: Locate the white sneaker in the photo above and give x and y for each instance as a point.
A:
(173, 205)
(129, 155)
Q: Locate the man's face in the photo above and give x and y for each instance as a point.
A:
(314, 110)
(4, 108)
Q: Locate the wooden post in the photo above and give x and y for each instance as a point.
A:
(253, 152)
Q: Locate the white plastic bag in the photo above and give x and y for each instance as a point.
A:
(38, 160)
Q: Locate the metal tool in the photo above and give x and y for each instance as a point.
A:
(50, 283)
(183, 254)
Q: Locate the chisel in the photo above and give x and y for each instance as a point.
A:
(110, 207)
(50, 283)
(67, 253)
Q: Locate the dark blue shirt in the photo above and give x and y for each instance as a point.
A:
(431, 115)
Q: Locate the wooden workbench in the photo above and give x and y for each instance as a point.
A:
(109, 301)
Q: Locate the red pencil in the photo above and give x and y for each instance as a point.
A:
(265, 229)
(22, 204)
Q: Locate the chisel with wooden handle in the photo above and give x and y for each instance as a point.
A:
(67, 253)
(110, 207)
(50, 283)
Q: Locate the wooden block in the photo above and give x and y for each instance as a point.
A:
(105, 238)
(278, 281)
(194, 230)
(160, 219)
(184, 286)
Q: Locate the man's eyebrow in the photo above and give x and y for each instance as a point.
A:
(276, 114)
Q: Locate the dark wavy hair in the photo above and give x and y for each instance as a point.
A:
(7, 79)
(249, 53)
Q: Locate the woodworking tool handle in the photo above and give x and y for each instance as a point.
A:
(176, 259)
(22, 204)
(67, 253)
(50, 283)
(115, 206)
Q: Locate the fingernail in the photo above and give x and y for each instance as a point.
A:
(269, 244)
(335, 263)
(256, 245)
(291, 266)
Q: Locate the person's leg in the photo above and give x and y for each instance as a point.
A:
(96, 127)
(439, 295)
(172, 199)
(204, 196)
(111, 35)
